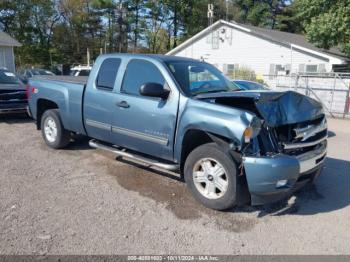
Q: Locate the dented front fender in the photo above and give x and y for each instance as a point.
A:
(217, 119)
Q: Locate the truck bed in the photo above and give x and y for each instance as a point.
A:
(66, 92)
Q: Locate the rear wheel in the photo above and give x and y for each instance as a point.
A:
(210, 174)
(52, 130)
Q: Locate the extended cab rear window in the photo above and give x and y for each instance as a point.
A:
(108, 73)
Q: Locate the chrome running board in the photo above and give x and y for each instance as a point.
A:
(152, 162)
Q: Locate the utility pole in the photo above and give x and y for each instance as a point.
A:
(120, 22)
(210, 14)
(110, 26)
(88, 56)
(123, 28)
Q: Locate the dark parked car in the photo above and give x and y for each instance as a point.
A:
(25, 74)
(249, 85)
(13, 98)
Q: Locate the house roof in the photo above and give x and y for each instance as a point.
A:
(296, 41)
(6, 40)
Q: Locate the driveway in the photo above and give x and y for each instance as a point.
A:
(83, 201)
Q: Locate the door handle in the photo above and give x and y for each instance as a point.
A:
(123, 104)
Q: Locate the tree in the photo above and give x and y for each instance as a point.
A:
(31, 23)
(327, 23)
(155, 21)
(60, 31)
(106, 8)
(265, 13)
(82, 23)
(288, 20)
(136, 21)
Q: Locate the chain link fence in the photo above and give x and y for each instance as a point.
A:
(331, 89)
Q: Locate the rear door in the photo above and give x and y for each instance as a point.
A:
(145, 124)
(99, 100)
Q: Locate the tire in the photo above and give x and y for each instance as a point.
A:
(51, 123)
(201, 182)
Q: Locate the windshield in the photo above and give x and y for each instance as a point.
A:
(247, 85)
(7, 77)
(42, 72)
(198, 78)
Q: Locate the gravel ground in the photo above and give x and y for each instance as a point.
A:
(83, 201)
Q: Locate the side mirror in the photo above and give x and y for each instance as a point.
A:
(154, 90)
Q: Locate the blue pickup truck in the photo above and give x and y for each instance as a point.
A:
(230, 146)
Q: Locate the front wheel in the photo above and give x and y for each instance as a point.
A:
(52, 130)
(211, 175)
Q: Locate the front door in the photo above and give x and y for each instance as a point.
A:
(144, 124)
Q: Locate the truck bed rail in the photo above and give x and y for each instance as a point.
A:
(67, 79)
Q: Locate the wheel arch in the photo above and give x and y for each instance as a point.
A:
(196, 137)
(42, 106)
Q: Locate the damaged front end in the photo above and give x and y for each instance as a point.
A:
(281, 160)
(291, 144)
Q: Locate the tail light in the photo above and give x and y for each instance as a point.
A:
(31, 89)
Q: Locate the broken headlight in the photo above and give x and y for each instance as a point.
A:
(252, 130)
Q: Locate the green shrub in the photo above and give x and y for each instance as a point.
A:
(245, 73)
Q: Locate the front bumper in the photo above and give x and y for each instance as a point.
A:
(272, 178)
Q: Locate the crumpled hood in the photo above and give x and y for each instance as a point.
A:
(276, 108)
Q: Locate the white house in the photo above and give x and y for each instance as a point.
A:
(7, 58)
(229, 45)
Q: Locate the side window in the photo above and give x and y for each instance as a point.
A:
(139, 72)
(108, 73)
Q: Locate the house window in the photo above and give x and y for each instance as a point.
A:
(311, 68)
(321, 68)
(215, 40)
(279, 68)
(230, 69)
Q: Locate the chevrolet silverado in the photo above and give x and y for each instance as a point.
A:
(179, 114)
